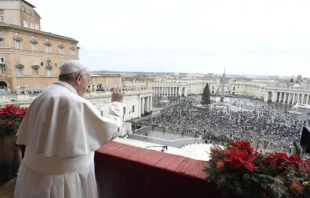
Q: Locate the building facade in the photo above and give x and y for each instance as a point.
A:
(30, 59)
(103, 82)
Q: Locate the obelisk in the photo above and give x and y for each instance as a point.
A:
(223, 83)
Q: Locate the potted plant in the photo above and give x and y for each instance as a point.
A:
(10, 154)
(241, 170)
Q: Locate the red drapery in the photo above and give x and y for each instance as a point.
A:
(127, 171)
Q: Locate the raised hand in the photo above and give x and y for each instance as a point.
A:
(117, 96)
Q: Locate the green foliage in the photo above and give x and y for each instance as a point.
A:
(206, 95)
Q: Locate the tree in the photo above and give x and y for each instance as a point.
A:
(206, 95)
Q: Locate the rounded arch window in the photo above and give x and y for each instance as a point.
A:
(55, 65)
(42, 64)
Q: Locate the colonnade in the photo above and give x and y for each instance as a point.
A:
(288, 97)
(145, 103)
(169, 91)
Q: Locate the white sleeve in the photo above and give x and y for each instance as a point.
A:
(116, 113)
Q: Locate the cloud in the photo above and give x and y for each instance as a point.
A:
(246, 37)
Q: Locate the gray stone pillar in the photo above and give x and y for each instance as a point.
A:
(142, 105)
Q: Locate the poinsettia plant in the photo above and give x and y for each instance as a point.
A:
(10, 118)
(241, 170)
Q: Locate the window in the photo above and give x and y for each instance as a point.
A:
(18, 44)
(3, 70)
(36, 26)
(2, 19)
(25, 23)
(30, 12)
(133, 108)
(72, 52)
(19, 71)
(23, 9)
(42, 64)
(34, 47)
(1, 60)
(49, 72)
(61, 51)
(1, 42)
(55, 65)
(36, 71)
(124, 109)
(32, 25)
(48, 49)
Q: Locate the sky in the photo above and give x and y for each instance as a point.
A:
(250, 37)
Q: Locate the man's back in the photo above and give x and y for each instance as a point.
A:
(61, 131)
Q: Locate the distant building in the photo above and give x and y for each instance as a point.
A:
(101, 82)
(299, 78)
(30, 59)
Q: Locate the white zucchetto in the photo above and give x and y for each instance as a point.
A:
(72, 66)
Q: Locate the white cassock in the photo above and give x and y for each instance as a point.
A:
(61, 131)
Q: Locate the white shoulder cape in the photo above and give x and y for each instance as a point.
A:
(59, 123)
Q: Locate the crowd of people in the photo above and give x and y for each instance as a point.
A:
(253, 123)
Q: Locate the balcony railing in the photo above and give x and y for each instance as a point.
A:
(126, 171)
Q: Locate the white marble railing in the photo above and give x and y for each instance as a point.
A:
(108, 94)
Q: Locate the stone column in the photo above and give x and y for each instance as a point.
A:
(281, 96)
(308, 99)
(147, 104)
(150, 103)
(298, 98)
(274, 96)
(142, 105)
(139, 107)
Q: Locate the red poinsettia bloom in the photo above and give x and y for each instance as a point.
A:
(294, 159)
(242, 146)
(279, 160)
(10, 118)
(238, 159)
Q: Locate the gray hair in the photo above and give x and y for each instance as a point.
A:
(72, 76)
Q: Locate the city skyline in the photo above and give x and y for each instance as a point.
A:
(247, 38)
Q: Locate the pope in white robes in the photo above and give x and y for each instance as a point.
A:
(61, 131)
